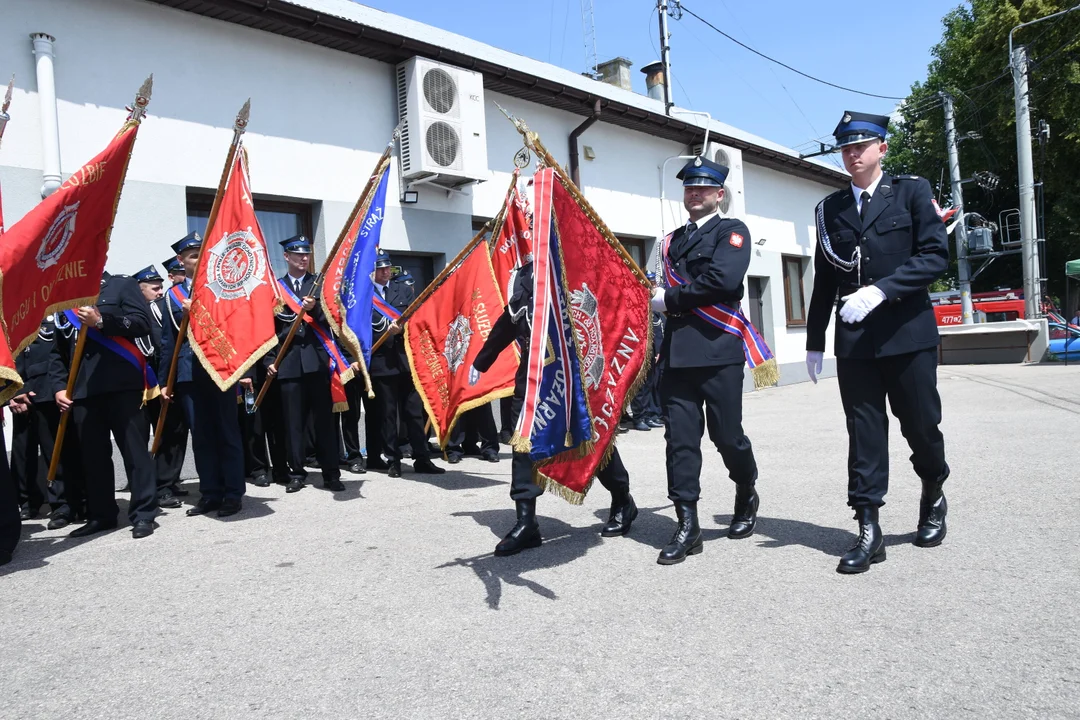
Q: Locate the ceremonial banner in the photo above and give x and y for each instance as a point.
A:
(234, 295)
(609, 304)
(443, 337)
(347, 291)
(52, 259)
(555, 417)
(513, 245)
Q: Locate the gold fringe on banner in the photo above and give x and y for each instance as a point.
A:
(767, 374)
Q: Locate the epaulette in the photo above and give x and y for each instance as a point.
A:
(906, 177)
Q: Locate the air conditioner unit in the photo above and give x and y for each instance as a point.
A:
(441, 111)
(734, 202)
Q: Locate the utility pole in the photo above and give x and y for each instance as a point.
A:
(963, 267)
(665, 54)
(1028, 243)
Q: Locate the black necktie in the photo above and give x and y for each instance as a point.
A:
(296, 286)
(865, 204)
(691, 228)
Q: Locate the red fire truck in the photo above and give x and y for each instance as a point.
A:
(999, 305)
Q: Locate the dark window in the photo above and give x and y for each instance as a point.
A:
(794, 297)
(421, 267)
(278, 220)
(755, 293)
(636, 248)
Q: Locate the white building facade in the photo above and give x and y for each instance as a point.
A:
(322, 78)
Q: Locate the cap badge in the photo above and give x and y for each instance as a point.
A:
(697, 162)
(847, 117)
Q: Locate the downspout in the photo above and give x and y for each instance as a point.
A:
(50, 126)
(575, 165)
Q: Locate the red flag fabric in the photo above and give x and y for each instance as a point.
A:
(513, 246)
(52, 259)
(235, 294)
(443, 337)
(613, 321)
(10, 381)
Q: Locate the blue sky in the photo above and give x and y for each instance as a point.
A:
(873, 46)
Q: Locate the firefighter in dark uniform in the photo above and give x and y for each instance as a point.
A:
(880, 245)
(303, 380)
(515, 323)
(35, 419)
(210, 412)
(108, 397)
(395, 395)
(646, 404)
(702, 364)
(169, 461)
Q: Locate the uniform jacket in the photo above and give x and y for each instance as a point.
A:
(713, 262)
(124, 314)
(904, 248)
(32, 363)
(306, 354)
(390, 358)
(171, 318)
(515, 323)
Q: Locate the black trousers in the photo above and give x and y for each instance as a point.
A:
(32, 436)
(613, 476)
(169, 461)
(507, 417)
(350, 421)
(475, 427)
(909, 381)
(10, 526)
(398, 401)
(303, 398)
(683, 392)
(121, 413)
(264, 437)
(646, 404)
(215, 438)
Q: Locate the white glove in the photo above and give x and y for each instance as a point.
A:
(474, 375)
(658, 303)
(858, 304)
(814, 359)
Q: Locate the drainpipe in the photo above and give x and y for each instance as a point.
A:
(575, 168)
(50, 126)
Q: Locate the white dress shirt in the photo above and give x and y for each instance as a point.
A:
(858, 191)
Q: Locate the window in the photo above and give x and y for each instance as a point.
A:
(794, 297)
(278, 220)
(636, 248)
(421, 267)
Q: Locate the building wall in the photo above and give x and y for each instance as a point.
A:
(319, 120)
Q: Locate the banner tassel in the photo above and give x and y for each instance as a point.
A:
(767, 374)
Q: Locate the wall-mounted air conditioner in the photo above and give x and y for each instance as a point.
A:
(441, 110)
(734, 202)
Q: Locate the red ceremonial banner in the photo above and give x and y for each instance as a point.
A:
(444, 336)
(10, 381)
(52, 259)
(235, 294)
(613, 320)
(513, 245)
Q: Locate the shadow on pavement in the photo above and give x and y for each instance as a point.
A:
(455, 480)
(562, 544)
(781, 532)
(654, 529)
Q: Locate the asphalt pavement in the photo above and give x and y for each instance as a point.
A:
(385, 601)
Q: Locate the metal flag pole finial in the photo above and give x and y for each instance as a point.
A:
(7, 95)
(142, 99)
(243, 116)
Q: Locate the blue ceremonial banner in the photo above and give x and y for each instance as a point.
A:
(555, 417)
(349, 285)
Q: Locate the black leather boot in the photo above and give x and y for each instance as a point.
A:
(744, 519)
(686, 540)
(526, 534)
(623, 512)
(932, 511)
(869, 549)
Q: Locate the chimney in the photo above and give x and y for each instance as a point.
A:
(616, 72)
(654, 80)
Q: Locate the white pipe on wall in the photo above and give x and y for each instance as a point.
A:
(50, 125)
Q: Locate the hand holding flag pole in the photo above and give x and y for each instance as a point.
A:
(359, 207)
(239, 126)
(138, 111)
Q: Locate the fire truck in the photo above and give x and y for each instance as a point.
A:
(996, 306)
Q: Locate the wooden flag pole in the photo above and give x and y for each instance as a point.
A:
(138, 110)
(239, 126)
(495, 224)
(316, 288)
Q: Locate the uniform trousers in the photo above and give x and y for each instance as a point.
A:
(683, 392)
(10, 527)
(646, 404)
(33, 434)
(169, 460)
(398, 401)
(215, 436)
(477, 426)
(909, 381)
(350, 421)
(120, 413)
(612, 476)
(301, 398)
(263, 436)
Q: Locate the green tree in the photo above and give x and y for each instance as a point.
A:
(971, 64)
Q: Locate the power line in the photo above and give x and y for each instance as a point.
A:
(785, 65)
